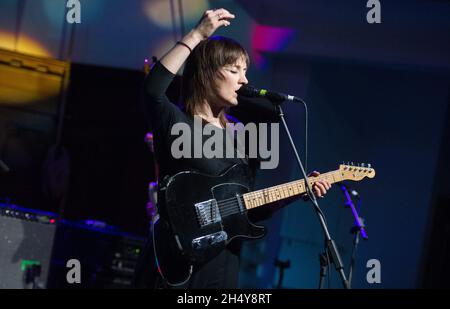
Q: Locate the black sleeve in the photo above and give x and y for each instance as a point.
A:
(158, 110)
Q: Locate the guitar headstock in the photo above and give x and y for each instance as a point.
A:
(356, 172)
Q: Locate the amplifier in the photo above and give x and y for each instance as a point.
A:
(35, 247)
(107, 256)
(26, 242)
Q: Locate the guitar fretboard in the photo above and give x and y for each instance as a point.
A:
(277, 193)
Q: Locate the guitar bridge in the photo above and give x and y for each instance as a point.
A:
(208, 212)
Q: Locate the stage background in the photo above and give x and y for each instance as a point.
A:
(377, 93)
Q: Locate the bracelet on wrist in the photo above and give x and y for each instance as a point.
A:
(184, 44)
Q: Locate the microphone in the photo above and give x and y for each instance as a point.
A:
(275, 97)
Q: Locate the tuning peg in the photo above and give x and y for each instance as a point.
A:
(353, 164)
(369, 165)
(363, 166)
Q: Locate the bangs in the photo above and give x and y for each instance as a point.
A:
(224, 51)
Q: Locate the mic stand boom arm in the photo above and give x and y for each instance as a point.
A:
(358, 230)
(330, 244)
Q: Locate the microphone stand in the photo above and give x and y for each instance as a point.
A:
(282, 265)
(329, 243)
(357, 230)
(323, 258)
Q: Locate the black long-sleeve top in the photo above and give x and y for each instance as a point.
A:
(163, 114)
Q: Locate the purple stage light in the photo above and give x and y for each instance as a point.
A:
(269, 39)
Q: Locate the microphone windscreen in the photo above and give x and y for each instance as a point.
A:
(247, 91)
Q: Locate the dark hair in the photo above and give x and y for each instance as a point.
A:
(202, 68)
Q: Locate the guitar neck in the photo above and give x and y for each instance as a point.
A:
(284, 191)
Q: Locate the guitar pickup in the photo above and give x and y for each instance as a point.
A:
(209, 240)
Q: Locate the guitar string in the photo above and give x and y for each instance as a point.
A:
(230, 203)
(275, 188)
(268, 191)
(230, 206)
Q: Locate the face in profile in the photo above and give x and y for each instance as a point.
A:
(230, 79)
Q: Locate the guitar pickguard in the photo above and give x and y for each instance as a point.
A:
(206, 212)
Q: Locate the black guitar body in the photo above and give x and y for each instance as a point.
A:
(201, 214)
(207, 212)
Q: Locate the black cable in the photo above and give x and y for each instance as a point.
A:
(329, 267)
(306, 159)
(306, 135)
(329, 241)
(158, 265)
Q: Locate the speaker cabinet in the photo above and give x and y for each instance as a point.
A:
(25, 247)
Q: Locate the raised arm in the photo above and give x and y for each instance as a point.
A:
(208, 24)
(157, 108)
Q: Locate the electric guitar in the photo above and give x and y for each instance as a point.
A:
(206, 212)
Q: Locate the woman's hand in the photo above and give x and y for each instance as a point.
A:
(319, 187)
(211, 21)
